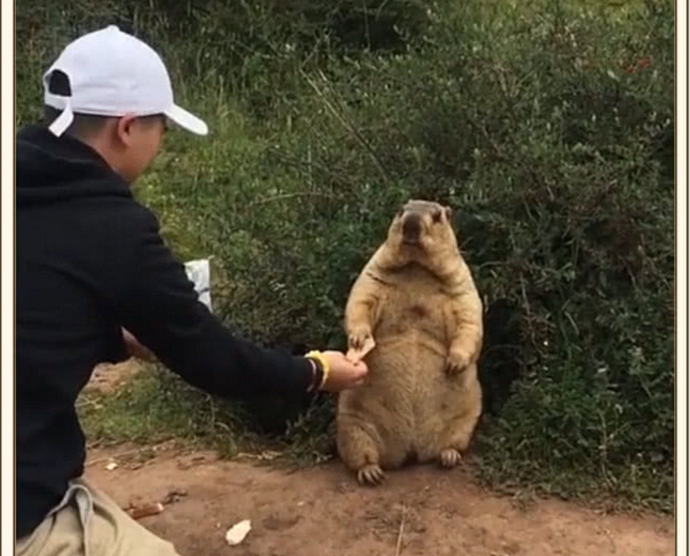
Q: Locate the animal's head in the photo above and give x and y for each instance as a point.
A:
(421, 231)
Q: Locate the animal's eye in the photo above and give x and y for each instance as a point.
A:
(437, 216)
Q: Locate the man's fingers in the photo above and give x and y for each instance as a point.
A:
(362, 368)
(354, 356)
(345, 373)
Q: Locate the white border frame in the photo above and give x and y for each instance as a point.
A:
(7, 228)
(681, 277)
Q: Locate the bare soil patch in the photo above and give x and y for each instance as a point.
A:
(321, 510)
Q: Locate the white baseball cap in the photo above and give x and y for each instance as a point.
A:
(112, 73)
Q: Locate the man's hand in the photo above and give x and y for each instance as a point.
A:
(135, 349)
(343, 373)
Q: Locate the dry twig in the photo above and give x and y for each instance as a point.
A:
(398, 546)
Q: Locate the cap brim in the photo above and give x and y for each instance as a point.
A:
(187, 120)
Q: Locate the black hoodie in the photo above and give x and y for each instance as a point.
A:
(90, 260)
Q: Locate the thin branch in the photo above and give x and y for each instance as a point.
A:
(311, 165)
(291, 196)
(346, 123)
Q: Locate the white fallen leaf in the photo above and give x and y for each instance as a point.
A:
(112, 465)
(238, 532)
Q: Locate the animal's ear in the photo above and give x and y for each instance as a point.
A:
(449, 213)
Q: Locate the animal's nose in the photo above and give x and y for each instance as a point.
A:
(412, 227)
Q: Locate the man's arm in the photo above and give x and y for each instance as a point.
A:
(162, 311)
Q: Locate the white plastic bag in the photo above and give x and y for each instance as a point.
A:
(199, 272)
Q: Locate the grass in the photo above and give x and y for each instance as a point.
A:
(156, 406)
(547, 125)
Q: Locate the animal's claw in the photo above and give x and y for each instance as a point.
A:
(371, 475)
(457, 362)
(360, 343)
(450, 458)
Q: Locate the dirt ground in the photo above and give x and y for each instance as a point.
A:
(322, 511)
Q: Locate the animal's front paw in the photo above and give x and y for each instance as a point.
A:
(360, 342)
(457, 362)
(359, 337)
(370, 475)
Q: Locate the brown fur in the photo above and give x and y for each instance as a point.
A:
(416, 304)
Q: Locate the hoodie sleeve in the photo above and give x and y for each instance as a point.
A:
(163, 312)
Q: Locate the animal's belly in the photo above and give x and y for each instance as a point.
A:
(406, 372)
(411, 339)
(412, 320)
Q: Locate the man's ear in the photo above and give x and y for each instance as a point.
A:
(123, 129)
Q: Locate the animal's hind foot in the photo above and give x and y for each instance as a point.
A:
(370, 475)
(450, 458)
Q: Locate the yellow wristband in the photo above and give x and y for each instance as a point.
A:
(325, 367)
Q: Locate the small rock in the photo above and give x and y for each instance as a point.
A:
(174, 496)
(237, 533)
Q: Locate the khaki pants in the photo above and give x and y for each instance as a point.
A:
(89, 523)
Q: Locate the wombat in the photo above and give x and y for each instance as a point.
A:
(415, 316)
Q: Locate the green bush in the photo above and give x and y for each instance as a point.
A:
(547, 125)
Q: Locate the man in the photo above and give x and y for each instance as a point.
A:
(90, 263)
